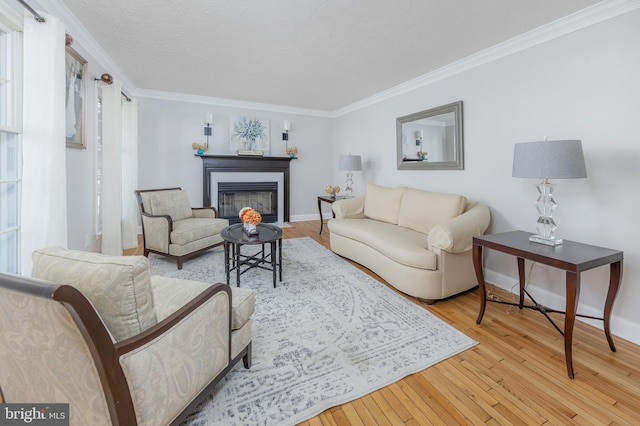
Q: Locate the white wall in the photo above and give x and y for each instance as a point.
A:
(584, 85)
(167, 128)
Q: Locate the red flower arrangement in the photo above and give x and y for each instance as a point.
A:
(249, 215)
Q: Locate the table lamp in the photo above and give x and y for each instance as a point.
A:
(548, 160)
(350, 163)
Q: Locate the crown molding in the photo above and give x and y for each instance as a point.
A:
(582, 19)
(579, 20)
(230, 103)
(80, 34)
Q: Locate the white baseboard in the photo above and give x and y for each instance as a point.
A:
(307, 217)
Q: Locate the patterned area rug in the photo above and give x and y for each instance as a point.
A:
(328, 334)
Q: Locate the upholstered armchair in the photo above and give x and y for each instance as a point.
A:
(171, 227)
(121, 347)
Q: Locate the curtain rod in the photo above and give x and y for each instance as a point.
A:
(35, 14)
(107, 79)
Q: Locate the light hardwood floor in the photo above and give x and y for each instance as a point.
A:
(515, 375)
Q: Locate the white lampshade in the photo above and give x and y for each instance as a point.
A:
(350, 163)
(549, 160)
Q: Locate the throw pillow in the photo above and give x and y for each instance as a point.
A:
(119, 287)
(383, 203)
(422, 210)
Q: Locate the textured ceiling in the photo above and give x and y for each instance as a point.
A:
(316, 54)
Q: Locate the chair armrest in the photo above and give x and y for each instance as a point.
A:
(157, 231)
(352, 208)
(456, 235)
(177, 317)
(169, 364)
(204, 212)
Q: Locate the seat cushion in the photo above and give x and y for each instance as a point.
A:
(194, 229)
(119, 287)
(242, 305)
(382, 203)
(173, 293)
(422, 210)
(172, 203)
(401, 245)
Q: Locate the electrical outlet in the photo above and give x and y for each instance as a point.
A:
(87, 241)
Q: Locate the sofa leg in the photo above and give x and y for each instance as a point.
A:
(246, 359)
(146, 253)
(427, 301)
(179, 263)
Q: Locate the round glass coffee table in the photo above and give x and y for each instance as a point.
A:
(234, 238)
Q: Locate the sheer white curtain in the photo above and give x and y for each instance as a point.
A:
(119, 171)
(111, 169)
(44, 178)
(129, 173)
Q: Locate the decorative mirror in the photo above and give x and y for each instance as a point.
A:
(431, 139)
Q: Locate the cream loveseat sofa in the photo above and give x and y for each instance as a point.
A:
(119, 346)
(420, 242)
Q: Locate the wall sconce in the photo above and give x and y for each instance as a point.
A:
(419, 134)
(208, 119)
(286, 126)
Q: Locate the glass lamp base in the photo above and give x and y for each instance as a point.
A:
(549, 241)
(348, 191)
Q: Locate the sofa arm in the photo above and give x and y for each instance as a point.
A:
(157, 232)
(456, 235)
(204, 212)
(168, 365)
(352, 208)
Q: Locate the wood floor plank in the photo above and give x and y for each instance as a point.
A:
(454, 400)
(515, 374)
(326, 418)
(387, 409)
(339, 416)
(351, 414)
(420, 412)
(434, 404)
(394, 402)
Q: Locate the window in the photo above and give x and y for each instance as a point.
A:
(10, 152)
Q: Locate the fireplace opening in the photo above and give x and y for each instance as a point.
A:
(260, 196)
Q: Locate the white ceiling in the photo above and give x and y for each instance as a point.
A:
(313, 54)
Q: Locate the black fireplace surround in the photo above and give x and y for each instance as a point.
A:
(261, 196)
(239, 164)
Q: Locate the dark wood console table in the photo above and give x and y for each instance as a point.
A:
(571, 257)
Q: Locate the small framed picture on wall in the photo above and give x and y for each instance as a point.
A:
(75, 99)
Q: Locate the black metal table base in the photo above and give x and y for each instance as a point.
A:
(240, 263)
